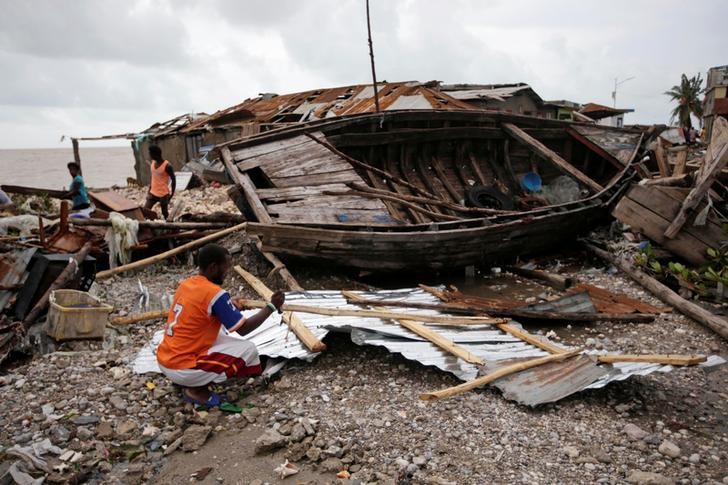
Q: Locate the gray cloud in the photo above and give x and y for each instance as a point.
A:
(94, 67)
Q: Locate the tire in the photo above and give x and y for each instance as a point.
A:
(488, 197)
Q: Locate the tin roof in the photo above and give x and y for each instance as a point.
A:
(329, 102)
(534, 386)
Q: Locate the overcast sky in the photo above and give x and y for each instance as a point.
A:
(94, 67)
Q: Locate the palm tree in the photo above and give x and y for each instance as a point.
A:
(687, 95)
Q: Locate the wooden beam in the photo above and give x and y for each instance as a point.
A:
(305, 335)
(545, 152)
(660, 158)
(493, 376)
(102, 275)
(532, 339)
(433, 337)
(140, 317)
(667, 359)
(245, 183)
(76, 153)
(170, 226)
(699, 314)
(706, 178)
(557, 281)
(387, 315)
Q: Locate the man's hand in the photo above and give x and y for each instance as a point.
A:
(278, 299)
(238, 303)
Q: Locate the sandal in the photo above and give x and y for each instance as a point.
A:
(212, 402)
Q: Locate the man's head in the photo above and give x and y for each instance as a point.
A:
(73, 168)
(155, 153)
(214, 262)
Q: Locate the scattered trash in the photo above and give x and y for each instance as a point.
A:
(286, 470)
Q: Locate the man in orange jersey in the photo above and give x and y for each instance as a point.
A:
(162, 176)
(197, 348)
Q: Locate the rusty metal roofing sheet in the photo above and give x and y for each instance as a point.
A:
(535, 386)
(326, 103)
(13, 270)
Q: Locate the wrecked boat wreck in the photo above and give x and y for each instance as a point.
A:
(427, 189)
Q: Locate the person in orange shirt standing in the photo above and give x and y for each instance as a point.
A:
(197, 349)
(162, 178)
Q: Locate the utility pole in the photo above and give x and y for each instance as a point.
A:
(371, 55)
(614, 93)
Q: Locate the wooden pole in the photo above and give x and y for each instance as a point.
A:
(433, 337)
(171, 226)
(162, 256)
(554, 280)
(371, 56)
(61, 281)
(717, 324)
(345, 312)
(140, 317)
(545, 152)
(243, 180)
(493, 376)
(667, 359)
(76, 153)
(305, 335)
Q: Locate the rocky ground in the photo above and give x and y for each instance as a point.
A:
(355, 410)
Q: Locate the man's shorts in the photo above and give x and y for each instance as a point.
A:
(228, 357)
(162, 200)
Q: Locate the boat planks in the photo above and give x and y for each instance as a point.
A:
(650, 210)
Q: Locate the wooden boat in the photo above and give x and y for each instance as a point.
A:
(427, 189)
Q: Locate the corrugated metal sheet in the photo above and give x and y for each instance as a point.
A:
(13, 267)
(330, 102)
(535, 386)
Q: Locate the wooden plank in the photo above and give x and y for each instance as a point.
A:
(246, 184)
(712, 168)
(343, 176)
(253, 151)
(414, 214)
(665, 203)
(327, 215)
(296, 193)
(329, 200)
(433, 337)
(380, 314)
(545, 152)
(667, 359)
(661, 159)
(101, 275)
(681, 159)
(642, 219)
(413, 135)
(305, 335)
(530, 338)
(493, 376)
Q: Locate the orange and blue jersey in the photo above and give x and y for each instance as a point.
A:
(198, 310)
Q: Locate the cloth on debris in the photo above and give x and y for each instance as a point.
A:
(490, 344)
(227, 358)
(121, 236)
(24, 224)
